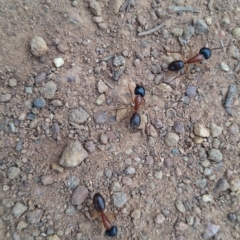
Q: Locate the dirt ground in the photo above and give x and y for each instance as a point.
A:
(177, 176)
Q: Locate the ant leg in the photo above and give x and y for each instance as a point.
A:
(131, 94)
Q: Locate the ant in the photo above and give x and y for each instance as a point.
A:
(139, 91)
(99, 206)
(204, 54)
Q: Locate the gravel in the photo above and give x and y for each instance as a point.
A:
(215, 155)
(48, 90)
(72, 182)
(34, 216)
(119, 199)
(39, 102)
(78, 116)
(13, 172)
(171, 139)
(73, 154)
(19, 209)
(38, 46)
(79, 195)
(180, 207)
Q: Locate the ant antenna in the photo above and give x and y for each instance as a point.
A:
(222, 46)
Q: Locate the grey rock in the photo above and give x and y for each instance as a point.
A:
(48, 90)
(177, 32)
(12, 127)
(159, 219)
(73, 154)
(225, 21)
(236, 32)
(157, 174)
(200, 26)
(216, 130)
(79, 195)
(21, 225)
(95, 8)
(13, 172)
(7, 202)
(38, 46)
(5, 97)
(231, 93)
(178, 127)
(19, 146)
(29, 90)
(102, 87)
(191, 91)
(71, 211)
(19, 209)
(90, 146)
(78, 116)
(31, 116)
(234, 184)
(215, 143)
(41, 77)
(171, 139)
(232, 217)
(47, 179)
(119, 61)
(167, 162)
(72, 182)
(215, 155)
(233, 52)
(210, 231)
(119, 199)
(100, 117)
(129, 171)
(56, 103)
(74, 3)
(141, 20)
(115, 186)
(188, 32)
(34, 216)
(201, 183)
(103, 138)
(50, 230)
(39, 102)
(159, 79)
(136, 214)
(180, 207)
(127, 181)
(108, 173)
(181, 226)
(207, 171)
(117, 74)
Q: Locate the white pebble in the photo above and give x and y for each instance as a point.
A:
(224, 67)
(58, 62)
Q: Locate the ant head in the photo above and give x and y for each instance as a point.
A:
(112, 232)
(139, 90)
(206, 52)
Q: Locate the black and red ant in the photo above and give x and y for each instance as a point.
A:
(139, 91)
(204, 54)
(99, 206)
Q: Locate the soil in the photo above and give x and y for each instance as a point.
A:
(164, 172)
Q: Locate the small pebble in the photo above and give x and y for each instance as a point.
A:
(34, 216)
(200, 26)
(180, 207)
(79, 195)
(135, 214)
(159, 218)
(171, 139)
(236, 32)
(12, 82)
(47, 179)
(13, 172)
(38, 46)
(39, 102)
(129, 171)
(224, 67)
(58, 62)
(119, 199)
(74, 3)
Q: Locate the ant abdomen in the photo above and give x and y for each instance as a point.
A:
(135, 120)
(98, 202)
(176, 65)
